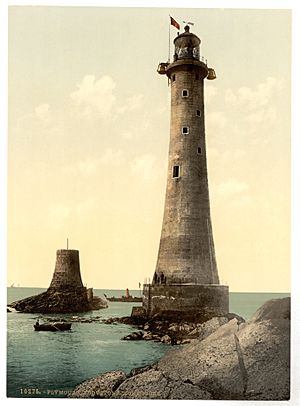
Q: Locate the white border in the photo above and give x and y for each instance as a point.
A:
(245, 4)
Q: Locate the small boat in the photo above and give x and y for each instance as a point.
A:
(126, 298)
(58, 326)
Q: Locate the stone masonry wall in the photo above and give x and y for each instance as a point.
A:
(67, 271)
(204, 301)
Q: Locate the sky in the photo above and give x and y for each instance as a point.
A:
(88, 134)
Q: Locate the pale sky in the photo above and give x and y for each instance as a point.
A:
(89, 132)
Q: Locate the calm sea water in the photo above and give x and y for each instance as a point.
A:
(46, 364)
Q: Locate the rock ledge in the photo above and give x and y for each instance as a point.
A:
(59, 301)
(233, 360)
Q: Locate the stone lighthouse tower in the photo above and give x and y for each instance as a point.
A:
(186, 280)
(67, 275)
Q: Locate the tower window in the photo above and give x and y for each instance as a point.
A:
(185, 93)
(197, 76)
(173, 78)
(198, 112)
(199, 150)
(185, 130)
(176, 170)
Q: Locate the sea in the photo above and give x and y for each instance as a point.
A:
(50, 365)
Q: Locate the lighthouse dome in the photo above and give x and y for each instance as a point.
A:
(187, 45)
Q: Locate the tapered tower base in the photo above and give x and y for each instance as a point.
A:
(186, 301)
(66, 274)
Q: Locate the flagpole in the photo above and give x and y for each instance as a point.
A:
(169, 41)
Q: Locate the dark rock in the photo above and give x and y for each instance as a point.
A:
(53, 301)
(122, 320)
(140, 370)
(231, 316)
(179, 331)
(109, 321)
(136, 335)
(149, 336)
(185, 342)
(138, 315)
(166, 339)
(156, 328)
(74, 319)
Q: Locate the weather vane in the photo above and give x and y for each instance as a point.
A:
(188, 22)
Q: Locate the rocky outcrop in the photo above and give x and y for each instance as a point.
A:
(154, 384)
(101, 387)
(66, 293)
(174, 333)
(136, 335)
(117, 320)
(249, 361)
(265, 342)
(97, 303)
(275, 309)
(56, 301)
(72, 319)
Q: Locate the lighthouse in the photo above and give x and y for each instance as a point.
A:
(186, 281)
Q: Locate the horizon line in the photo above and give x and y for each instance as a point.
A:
(248, 291)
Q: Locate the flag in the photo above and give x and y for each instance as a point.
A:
(175, 23)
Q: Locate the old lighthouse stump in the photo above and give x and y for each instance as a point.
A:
(66, 293)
